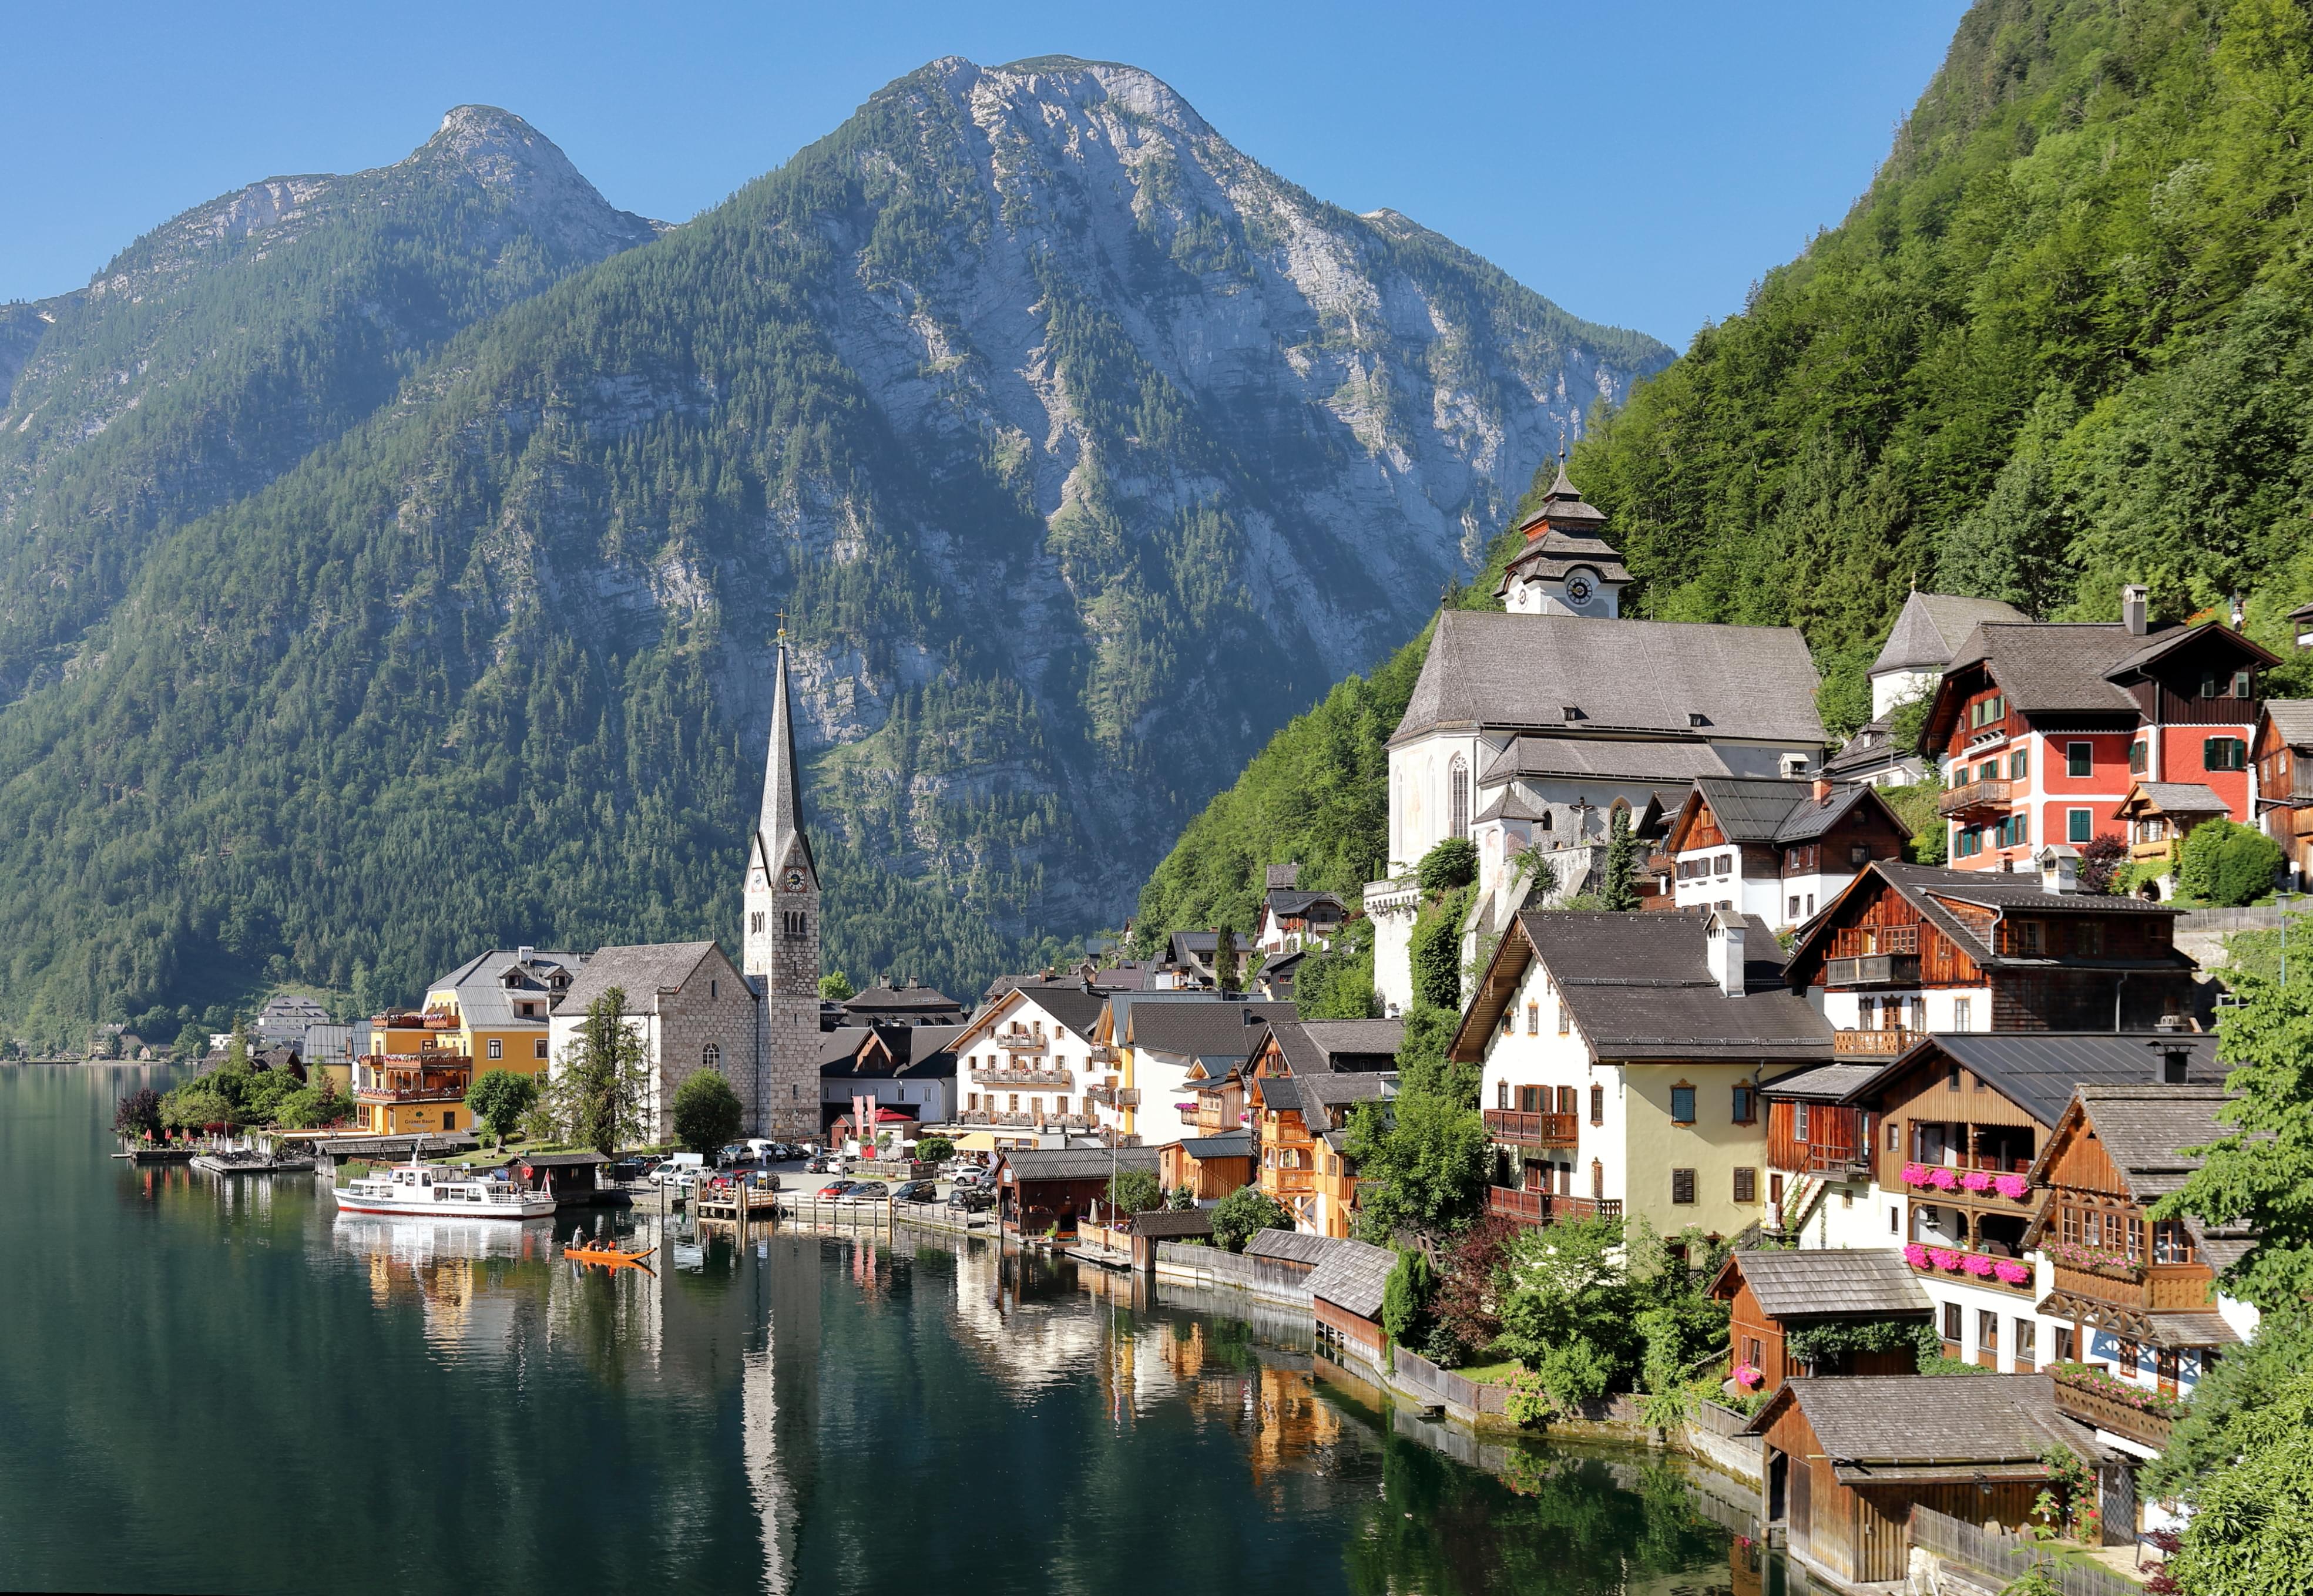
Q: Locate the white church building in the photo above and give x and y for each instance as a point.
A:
(1529, 728)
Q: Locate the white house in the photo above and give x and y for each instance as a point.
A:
(1027, 1059)
(1776, 849)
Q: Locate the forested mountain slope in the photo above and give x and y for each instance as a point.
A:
(1074, 447)
(225, 345)
(2064, 341)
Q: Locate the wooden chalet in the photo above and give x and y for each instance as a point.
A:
(2140, 1295)
(1849, 1457)
(2283, 755)
(1910, 948)
(2159, 815)
(1345, 1293)
(1773, 847)
(1770, 1293)
(1300, 1141)
(1819, 1150)
(1210, 1167)
(1042, 1190)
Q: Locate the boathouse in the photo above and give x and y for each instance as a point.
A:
(1849, 1457)
(572, 1176)
(1345, 1293)
(1772, 1293)
(1045, 1190)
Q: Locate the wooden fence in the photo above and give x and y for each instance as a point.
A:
(2008, 1558)
(1214, 1267)
(1418, 1375)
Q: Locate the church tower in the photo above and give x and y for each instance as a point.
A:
(781, 946)
(1567, 566)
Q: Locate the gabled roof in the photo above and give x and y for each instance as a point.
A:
(642, 972)
(2038, 1070)
(1640, 988)
(1073, 1007)
(1293, 1247)
(1771, 809)
(909, 999)
(2292, 720)
(487, 1003)
(1490, 669)
(2144, 1128)
(2056, 668)
(2170, 798)
(1076, 1164)
(1870, 1426)
(1931, 627)
(1322, 1046)
(1125, 976)
(1300, 900)
(1623, 758)
(1352, 1277)
(1824, 1282)
(1210, 1027)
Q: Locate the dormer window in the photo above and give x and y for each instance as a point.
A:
(1694, 719)
(1572, 712)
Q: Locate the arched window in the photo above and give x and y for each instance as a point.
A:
(712, 1059)
(1457, 797)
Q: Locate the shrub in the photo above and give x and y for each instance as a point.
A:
(935, 1149)
(1135, 1191)
(1435, 951)
(1242, 1212)
(2226, 864)
(1405, 1297)
(1448, 867)
(707, 1112)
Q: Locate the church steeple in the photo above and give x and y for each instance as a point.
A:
(780, 823)
(1567, 566)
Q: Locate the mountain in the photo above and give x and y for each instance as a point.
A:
(2063, 342)
(1073, 449)
(230, 342)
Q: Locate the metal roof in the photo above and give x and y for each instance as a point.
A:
(1236, 1144)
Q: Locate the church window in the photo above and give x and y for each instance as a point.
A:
(1457, 798)
(1533, 1018)
(711, 1057)
(792, 924)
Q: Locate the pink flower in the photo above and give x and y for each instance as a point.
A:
(2012, 1187)
(1915, 1174)
(1943, 1180)
(1977, 1180)
(2010, 1272)
(1943, 1258)
(1747, 1376)
(1916, 1256)
(1978, 1265)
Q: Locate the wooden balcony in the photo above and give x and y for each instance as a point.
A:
(1973, 796)
(1527, 1128)
(2166, 1288)
(1531, 1206)
(1289, 1182)
(1019, 1042)
(1872, 970)
(2106, 1412)
(996, 1117)
(1100, 1055)
(1873, 1044)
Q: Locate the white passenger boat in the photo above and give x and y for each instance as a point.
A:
(422, 1188)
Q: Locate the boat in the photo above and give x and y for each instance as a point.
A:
(425, 1188)
(610, 1256)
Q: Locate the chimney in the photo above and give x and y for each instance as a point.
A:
(1822, 791)
(1722, 949)
(1794, 766)
(2175, 1057)
(2060, 868)
(2134, 600)
(524, 955)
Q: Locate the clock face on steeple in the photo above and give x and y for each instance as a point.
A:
(794, 879)
(1579, 589)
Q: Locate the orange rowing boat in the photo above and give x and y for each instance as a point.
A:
(610, 1257)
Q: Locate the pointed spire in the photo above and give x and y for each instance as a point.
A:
(1563, 488)
(782, 815)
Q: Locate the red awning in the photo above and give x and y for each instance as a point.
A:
(887, 1116)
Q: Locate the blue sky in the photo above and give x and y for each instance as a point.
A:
(1640, 164)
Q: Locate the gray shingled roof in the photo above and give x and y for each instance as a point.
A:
(1352, 1276)
(1485, 668)
(1235, 1145)
(2173, 798)
(2144, 1127)
(1821, 1283)
(2292, 718)
(1866, 1423)
(1932, 890)
(1324, 1047)
(1624, 759)
(1071, 1005)
(1214, 1028)
(1161, 1224)
(1640, 989)
(1932, 626)
(1076, 1164)
(1509, 805)
(1294, 901)
(910, 998)
(1823, 1082)
(1292, 1246)
(642, 972)
(484, 1000)
(2044, 667)
(2038, 1070)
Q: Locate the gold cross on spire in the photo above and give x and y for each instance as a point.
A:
(783, 625)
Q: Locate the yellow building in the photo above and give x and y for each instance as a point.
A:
(491, 1012)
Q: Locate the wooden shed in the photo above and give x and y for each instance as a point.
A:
(1847, 1457)
(1166, 1225)
(1345, 1291)
(1046, 1189)
(1770, 1293)
(1210, 1167)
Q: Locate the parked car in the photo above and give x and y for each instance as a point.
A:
(866, 1192)
(835, 1190)
(826, 1163)
(971, 1198)
(918, 1191)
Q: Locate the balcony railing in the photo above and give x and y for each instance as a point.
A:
(2166, 1288)
(1972, 795)
(1019, 1042)
(1100, 1095)
(1007, 1076)
(997, 1116)
(410, 1094)
(1881, 1044)
(1100, 1055)
(1873, 969)
(1528, 1128)
(1531, 1206)
(440, 1021)
(2093, 1406)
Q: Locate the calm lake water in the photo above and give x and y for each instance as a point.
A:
(225, 1386)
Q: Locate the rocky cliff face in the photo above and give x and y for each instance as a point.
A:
(1074, 449)
(233, 340)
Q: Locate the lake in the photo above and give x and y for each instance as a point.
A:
(213, 1385)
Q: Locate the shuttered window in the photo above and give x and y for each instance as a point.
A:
(1682, 1186)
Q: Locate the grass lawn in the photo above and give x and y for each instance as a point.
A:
(1489, 1373)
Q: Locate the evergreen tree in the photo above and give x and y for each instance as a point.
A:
(1224, 963)
(598, 1095)
(1621, 887)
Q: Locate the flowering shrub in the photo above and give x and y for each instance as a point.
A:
(1915, 1174)
(1977, 1180)
(1943, 1180)
(1977, 1264)
(1916, 1256)
(1747, 1375)
(2010, 1272)
(2012, 1187)
(2088, 1377)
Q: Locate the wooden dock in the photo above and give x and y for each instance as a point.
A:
(152, 1155)
(734, 1203)
(227, 1164)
